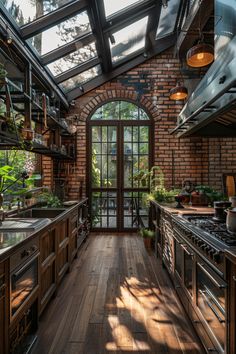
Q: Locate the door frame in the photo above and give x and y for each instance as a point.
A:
(120, 172)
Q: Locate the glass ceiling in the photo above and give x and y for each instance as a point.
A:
(82, 42)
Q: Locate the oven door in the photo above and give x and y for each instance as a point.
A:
(211, 296)
(24, 282)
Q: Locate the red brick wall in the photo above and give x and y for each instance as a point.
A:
(202, 160)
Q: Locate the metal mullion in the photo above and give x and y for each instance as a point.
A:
(53, 18)
(68, 48)
(107, 180)
(152, 26)
(161, 45)
(77, 70)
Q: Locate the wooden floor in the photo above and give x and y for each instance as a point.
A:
(116, 299)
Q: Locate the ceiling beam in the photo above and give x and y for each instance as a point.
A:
(199, 14)
(53, 18)
(67, 48)
(98, 20)
(161, 45)
(77, 70)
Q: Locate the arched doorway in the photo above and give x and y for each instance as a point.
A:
(119, 148)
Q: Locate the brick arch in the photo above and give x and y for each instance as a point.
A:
(97, 101)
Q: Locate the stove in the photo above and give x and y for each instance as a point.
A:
(214, 228)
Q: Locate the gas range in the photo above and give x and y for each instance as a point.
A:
(207, 237)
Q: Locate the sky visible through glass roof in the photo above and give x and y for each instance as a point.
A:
(123, 41)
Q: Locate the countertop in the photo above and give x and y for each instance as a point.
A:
(170, 208)
(10, 241)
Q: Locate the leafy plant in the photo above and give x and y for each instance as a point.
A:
(3, 72)
(211, 193)
(6, 177)
(146, 233)
(50, 199)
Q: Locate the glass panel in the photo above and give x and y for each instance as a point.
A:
(81, 78)
(168, 18)
(73, 59)
(143, 115)
(128, 110)
(128, 40)
(61, 34)
(104, 207)
(135, 209)
(144, 134)
(25, 11)
(112, 7)
(96, 134)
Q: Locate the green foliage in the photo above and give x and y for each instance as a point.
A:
(96, 173)
(6, 177)
(3, 72)
(146, 233)
(163, 195)
(211, 193)
(50, 199)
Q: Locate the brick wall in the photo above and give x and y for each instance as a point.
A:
(202, 160)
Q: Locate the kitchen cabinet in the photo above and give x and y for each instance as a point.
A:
(4, 309)
(62, 236)
(167, 241)
(47, 266)
(231, 300)
(73, 232)
(155, 217)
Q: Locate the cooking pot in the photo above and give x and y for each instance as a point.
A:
(231, 220)
(220, 207)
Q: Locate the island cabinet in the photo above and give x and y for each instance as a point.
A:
(231, 300)
(4, 312)
(47, 266)
(63, 256)
(73, 234)
(167, 241)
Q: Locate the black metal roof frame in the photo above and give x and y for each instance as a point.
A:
(101, 30)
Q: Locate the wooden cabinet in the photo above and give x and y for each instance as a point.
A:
(4, 312)
(47, 266)
(62, 236)
(231, 300)
(167, 241)
(73, 234)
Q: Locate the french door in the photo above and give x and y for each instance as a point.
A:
(118, 150)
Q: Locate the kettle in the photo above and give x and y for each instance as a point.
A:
(231, 220)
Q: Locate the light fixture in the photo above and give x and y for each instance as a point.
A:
(200, 55)
(165, 4)
(9, 38)
(179, 92)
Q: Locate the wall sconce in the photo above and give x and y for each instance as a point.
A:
(179, 92)
(200, 55)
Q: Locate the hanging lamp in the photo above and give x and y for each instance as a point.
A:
(179, 92)
(200, 55)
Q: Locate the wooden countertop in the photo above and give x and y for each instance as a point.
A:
(186, 210)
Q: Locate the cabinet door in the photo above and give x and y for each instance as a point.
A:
(63, 248)
(3, 309)
(73, 226)
(47, 266)
(231, 306)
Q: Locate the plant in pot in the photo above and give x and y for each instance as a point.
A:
(148, 237)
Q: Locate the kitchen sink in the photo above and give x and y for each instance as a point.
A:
(39, 213)
(23, 224)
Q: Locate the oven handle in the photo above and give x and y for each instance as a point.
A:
(211, 307)
(190, 254)
(16, 274)
(208, 273)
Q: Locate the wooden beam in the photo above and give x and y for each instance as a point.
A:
(161, 45)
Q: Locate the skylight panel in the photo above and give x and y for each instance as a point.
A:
(61, 34)
(81, 78)
(25, 11)
(168, 18)
(128, 40)
(73, 59)
(113, 6)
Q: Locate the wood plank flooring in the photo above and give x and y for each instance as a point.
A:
(116, 299)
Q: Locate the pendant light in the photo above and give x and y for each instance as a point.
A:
(179, 92)
(200, 55)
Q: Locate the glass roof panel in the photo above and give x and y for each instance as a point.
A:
(25, 11)
(113, 6)
(168, 18)
(81, 78)
(61, 34)
(128, 40)
(73, 59)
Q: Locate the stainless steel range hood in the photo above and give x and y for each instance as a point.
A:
(216, 93)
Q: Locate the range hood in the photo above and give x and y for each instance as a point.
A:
(207, 112)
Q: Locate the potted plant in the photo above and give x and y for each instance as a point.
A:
(148, 236)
